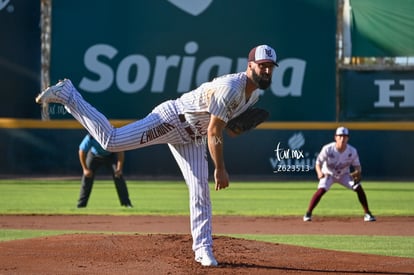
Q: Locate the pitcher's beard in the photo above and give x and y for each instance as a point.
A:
(260, 81)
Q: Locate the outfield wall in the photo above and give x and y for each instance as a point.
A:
(385, 154)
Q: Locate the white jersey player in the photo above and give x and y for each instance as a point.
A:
(337, 164)
(333, 165)
(189, 125)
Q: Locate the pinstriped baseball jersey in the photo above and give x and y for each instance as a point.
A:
(223, 97)
(335, 163)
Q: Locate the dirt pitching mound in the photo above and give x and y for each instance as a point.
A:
(170, 253)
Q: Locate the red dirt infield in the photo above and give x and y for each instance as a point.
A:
(162, 245)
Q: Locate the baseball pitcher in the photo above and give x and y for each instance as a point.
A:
(189, 125)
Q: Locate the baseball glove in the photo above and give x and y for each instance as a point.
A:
(356, 176)
(247, 120)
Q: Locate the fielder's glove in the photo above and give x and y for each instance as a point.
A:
(356, 176)
(247, 120)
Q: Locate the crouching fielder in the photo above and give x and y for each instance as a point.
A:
(333, 166)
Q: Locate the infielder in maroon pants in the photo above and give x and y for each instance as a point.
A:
(333, 165)
(189, 125)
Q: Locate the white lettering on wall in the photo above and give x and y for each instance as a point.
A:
(135, 72)
(294, 87)
(387, 97)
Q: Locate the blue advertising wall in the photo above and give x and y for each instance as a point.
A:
(377, 95)
(384, 154)
(135, 54)
(127, 56)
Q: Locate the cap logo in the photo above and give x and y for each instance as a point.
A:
(268, 52)
(263, 53)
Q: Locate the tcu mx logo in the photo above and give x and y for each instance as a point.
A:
(389, 98)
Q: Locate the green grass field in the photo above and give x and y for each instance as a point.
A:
(59, 197)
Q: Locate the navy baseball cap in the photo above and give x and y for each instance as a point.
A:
(263, 54)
